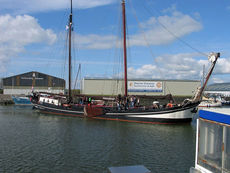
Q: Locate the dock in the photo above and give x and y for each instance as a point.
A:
(6, 99)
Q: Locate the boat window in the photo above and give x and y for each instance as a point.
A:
(210, 146)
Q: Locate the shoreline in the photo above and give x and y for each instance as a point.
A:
(6, 99)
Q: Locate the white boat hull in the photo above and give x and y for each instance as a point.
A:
(175, 115)
(210, 104)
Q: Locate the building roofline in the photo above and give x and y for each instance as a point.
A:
(32, 72)
(171, 80)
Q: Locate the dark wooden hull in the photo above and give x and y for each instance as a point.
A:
(153, 116)
(75, 111)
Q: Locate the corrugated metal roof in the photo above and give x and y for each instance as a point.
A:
(24, 74)
(34, 79)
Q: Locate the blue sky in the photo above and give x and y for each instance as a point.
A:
(166, 39)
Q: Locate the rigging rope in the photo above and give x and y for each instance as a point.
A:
(117, 55)
(174, 35)
(163, 26)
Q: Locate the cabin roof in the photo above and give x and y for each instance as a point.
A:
(218, 115)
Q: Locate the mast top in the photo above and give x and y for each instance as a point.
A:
(71, 11)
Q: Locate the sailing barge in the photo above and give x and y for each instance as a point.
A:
(60, 104)
(180, 113)
(63, 105)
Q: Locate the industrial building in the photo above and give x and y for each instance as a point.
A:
(222, 89)
(139, 87)
(1, 84)
(36, 81)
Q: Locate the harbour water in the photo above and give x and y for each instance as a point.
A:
(33, 142)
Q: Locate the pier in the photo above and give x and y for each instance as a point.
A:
(6, 99)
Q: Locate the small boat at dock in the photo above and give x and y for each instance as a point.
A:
(210, 102)
(58, 104)
(21, 100)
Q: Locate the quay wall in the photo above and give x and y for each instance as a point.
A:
(6, 99)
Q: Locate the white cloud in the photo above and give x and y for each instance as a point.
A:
(170, 9)
(23, 30)
(179, 66)
(25, 6)
(154, 32)
(18, 32)
(165, 29)
(94, 41)
(223, 65)
(146, 71)
(217, 80)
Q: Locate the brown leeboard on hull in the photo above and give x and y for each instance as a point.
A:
(92, 111)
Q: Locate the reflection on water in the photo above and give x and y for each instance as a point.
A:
(33, 142)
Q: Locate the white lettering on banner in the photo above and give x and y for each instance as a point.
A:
(143, 86)
(32, 78)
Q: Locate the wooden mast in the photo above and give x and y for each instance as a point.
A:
(215, 57)
(124, 47)
(70, 30)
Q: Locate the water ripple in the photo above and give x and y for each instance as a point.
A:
(32, 142)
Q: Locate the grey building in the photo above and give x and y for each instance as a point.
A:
(222, 89)
(139, 87)
(36, 81)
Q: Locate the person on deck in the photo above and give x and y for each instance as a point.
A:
(156, 104)
(170, 104)
(132, 101)
(135, 101)
(126, 103)
(90, 100)
(118, 105)
(138, 102)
